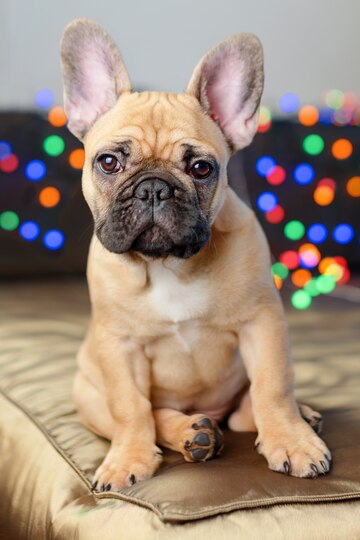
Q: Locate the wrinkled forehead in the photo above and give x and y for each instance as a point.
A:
(159, 126)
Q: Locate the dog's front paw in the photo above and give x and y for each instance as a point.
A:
(297, 451)
(202, 439)
(122, 468)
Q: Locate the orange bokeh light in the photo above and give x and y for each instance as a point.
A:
(57, 117)
(300, 277)
(324, 195)
(49, 197)
(342, 149)
(76, 158)
(324, 263)
(278, 281)
(353, 186)
(308, 115)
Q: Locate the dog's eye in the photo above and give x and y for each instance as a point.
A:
(201, 169)
(109, 164)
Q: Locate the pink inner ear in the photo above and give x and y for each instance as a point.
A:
(225, 87)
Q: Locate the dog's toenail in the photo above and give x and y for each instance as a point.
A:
(93, 485)
(102, 487)
(198, 453)
(202, 439)
(286, 467)
(187, 445)
(317, 418)
(256, 445)
(314, 468)
(329, 458)
(195, 426)
(324, 466)
(107, 487)
(132, 479)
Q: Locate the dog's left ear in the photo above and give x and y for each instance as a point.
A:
(93, 72)
(228, 82)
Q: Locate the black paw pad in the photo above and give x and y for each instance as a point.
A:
(198, 453)
(201, 439)
(203, 423)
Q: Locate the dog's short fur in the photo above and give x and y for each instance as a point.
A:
(187, 327)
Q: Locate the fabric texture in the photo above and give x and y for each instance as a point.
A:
(48, 457)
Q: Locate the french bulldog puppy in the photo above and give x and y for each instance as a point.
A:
(187, 327)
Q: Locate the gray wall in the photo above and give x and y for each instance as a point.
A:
(310, 45)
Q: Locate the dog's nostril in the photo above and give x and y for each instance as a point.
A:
(155, 189)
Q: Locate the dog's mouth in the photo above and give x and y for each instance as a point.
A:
(155, 242)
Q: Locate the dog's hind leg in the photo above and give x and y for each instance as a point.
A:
(197, 436)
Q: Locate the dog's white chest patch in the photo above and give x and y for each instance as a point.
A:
(173, 299)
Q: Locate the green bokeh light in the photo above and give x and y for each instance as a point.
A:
(325, 284)
(311, 287)
(335, 99)
(279, 269)
(54, 145)
(294, 230)
(313, 144)
(9, 220)
(301, 299)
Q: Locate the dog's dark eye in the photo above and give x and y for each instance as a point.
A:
(109, 164)
(201, 169)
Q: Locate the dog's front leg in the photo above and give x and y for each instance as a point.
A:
(133, 455)
(284, 438)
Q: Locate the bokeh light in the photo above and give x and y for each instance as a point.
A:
(57, 117)
(264, 119)
(266, 201)
(300, 277)
(278, 281)
(265, 165)
(279, 269)
(308, 115)
(54, 145)
(54, 239)
(44, 98)
(304, 173)
(290, 259)
(325, 284)
(343, 233)
(294, 230)
(76, 158)
(324, 195)
(29, 230)
(309, 256)
(335, 99)
(35, 170)
(5, 150)
(289, 103)
(275, 215)
(313, 144)
(49, 197)
(311, 287)
(9, 220)
(276, 176)
(9, 164)
(301, 300)
(327, 182)
(342, 149)
(353, 186)
(317, 233)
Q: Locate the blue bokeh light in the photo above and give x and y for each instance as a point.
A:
(267, 201)
(265, 165)
(29, 230)
(289, 103)
(44, 98)
(54, 239)
(304, 173)
(5, 150)
(35, 170)
(326, 115)
(317, 233)
(343, 233)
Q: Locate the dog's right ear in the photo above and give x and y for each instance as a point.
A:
(94, 74)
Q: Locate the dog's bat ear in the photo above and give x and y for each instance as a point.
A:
(228, 81)
(93, 73)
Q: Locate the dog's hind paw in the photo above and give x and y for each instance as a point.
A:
(202, 440)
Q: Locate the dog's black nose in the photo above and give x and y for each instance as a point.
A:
(154, 189)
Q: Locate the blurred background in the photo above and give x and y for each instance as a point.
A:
(302, 171)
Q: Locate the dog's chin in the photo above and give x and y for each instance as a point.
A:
(155, 242)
